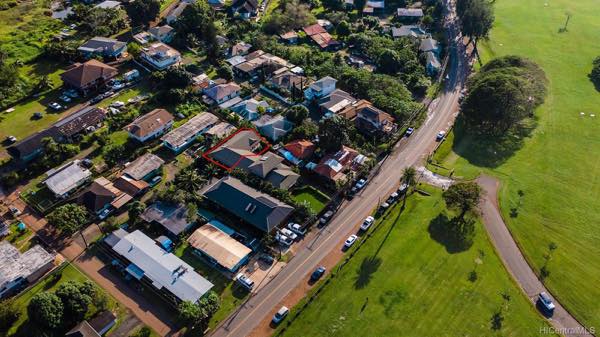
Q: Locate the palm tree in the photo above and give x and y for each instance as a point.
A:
(409, 177)
(190, 181)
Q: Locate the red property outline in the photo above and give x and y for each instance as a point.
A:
(225, 167)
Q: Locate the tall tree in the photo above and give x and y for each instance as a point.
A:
(46, 310)
(476, 19)
(136, 209)
(409, 176)
(68, 218)
(333, 133)
(296, 114)
(75, 300)
(141, 12)
(463, 197)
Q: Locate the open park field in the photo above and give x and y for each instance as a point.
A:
(551, 184)
(409, 280)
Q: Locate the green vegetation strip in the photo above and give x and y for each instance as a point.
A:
(408, 280)
(550, 185)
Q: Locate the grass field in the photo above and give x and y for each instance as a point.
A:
(558, 168)
(49, 283)
(315, 198)
(403, 282)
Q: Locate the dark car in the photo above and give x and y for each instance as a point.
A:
(317, 274)
(266, 258)
(325, 218)
(409, 132)
(546, 303)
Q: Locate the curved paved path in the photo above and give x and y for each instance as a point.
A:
(513, 259)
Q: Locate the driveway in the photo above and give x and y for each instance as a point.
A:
(511, 256)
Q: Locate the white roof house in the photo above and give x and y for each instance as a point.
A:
(17, 267)
(184, 135)
(61, 181)
(164, 269)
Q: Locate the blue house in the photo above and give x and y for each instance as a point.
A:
(320, 88)
(103, 46)
(249, 109)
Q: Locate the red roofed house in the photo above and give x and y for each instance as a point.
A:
(88, 76)
(301, 149)
(333, 165)
(320, 36)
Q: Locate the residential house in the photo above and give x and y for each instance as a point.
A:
(245, 8)
(321, 37)
(301, 149)
(173, 218)
(216, 4)
(163, 33)
(373, 121)
(334, 165)
(202, 82)
(221, 130)
(287, 81)
(260, 63)
(18, 269)
(432, 63)
(244, 151)
(252, 206)
(150, 263)
(219, 248)
(151, 125)
(129, 185)
(83, 329)
(102, 195)
(273, 127)
(175, 13)
(240, 49)
(145, 167)
(335, 103)
(160, 56)
(320, 88)
(88, 76)
(143, 38)
(178, 139)
(64, 130)
(223, 92)
(409, 14)
(374, 6)
(108, 4)
(430, 45)
(290, 37)
(326, 24)
(249, 109)
(103, 46)
(64, 179)
(412, 31)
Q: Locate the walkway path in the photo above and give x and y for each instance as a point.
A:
(511, 256)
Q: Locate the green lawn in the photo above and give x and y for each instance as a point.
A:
(231, 294)
(558, 168)
(315, 198)
(403, 282)
(50, 283)
(18, 238)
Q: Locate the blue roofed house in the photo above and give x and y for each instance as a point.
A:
(320, 88)
(249, 109)
(273, 127)
(412, 31)
(102, 46)
(254, 207)
(219, 248)
(147, 261)
(432, 49)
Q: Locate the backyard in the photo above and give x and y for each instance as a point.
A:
(315, 198)
(67, 272)
(550, 184)
(409, 273)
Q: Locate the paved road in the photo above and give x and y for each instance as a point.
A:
(408, 152)
(514, 261)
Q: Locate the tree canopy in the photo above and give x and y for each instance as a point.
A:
(76, 298)
(296, 114)
(68, 218)
(476, 17)
(333, 133)
(141, 12)
(595, 73)
(46, 309)
(463, 197)
(502, 94)
(99, 21)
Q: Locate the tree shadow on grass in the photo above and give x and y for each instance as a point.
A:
(368, 267)
(489, 151)
(454, 234)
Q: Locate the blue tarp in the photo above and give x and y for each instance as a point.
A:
(135, 271)
(222, 227)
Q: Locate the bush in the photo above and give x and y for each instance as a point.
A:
(46, 310)
(595, 74)
(9, 314)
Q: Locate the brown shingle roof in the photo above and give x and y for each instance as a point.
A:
(148, 123)
(82, 74)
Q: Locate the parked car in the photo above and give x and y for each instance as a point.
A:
(280, 315)
(117, 104)
(15, 211)
(325, 218)
(360, 184)
(71, 93)
(55, 106)
(266, 258)
(409, 132)
(245, 281)
(96, 99)
(440, 136)
(402, 189)
(392, 198)
(296, 228)
(367, 223)
(65, 98)
(383, 207)
(350, 241)
(546, 303)
(11, 139)
(155, 181)
(104, 214)
(118, 86)
(317, 274)
(87, 163)
(37, 115)
(284, 240)
(293, 236)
